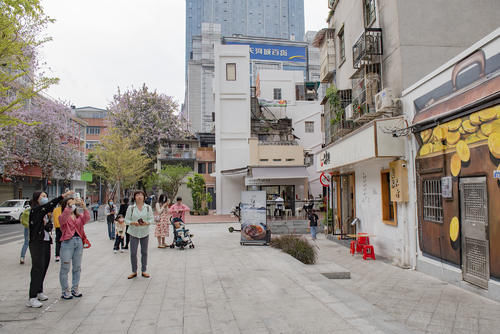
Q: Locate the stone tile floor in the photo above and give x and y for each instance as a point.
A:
(222, 287)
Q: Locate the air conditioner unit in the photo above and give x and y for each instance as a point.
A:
(348, 112)
(384, 100)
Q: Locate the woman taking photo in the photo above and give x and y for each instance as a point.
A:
(72, 244)
(162, 225)
(39, 244)
(139, 217)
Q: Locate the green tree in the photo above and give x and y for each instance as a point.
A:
(21, 26)
(198, 191)
(169, 179)
(119, 162)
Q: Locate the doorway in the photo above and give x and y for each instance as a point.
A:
(475, 243)
(347, 208)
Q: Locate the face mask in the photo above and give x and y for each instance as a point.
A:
(110, 203)
(44, 200)
(73, 207)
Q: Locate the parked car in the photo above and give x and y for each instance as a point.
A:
(11, 210)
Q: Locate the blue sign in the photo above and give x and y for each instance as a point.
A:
(496, 174)
(276, 52)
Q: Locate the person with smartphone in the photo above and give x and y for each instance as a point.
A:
(139, 216)
(110, 211)
(72, 238)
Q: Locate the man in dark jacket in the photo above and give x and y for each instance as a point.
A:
(123, 212)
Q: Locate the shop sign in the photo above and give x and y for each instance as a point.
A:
(256, 182)
(324, 179)
(324, 158)
(446, 187)
(496, 174)
(399, 181)
(283, 53)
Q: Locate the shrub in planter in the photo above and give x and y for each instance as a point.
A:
(296, 246)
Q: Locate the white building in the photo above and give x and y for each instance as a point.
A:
(304, 110)
(232, 129)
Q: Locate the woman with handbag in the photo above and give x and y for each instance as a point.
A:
(72, 243)
(161, 220)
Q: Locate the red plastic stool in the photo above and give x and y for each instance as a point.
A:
(368, 252)
(353, 247)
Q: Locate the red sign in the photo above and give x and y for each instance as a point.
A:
(324, 179)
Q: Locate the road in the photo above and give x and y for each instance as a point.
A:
(11, 233)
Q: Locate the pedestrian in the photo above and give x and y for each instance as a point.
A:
(120, 233)
(72, 238)
(24, 248)
(87, 202)
(179, 209)
(95, 210)
(55, 216)
(110, 211)
(39, 243)
(161, 220)
(139, 217)
(123, 212)
(313, 223)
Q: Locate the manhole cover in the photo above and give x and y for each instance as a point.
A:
(338, 275)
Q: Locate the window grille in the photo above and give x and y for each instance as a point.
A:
(433, 204)
(309, 127)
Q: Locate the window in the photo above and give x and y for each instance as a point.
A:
(433, 204)
(231, 71)
(180, 146)
(341, 45)
(202, 168)
(369, 10)
(276, 159)
(210, 167)
(389, 208)
(309, 127)
(277, 93)
(264, 160)
(91, 144)
(93, 130)
(290, 159)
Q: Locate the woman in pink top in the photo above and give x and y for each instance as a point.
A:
(178, 210)
(71, 244)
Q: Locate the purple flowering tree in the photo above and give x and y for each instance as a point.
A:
(146, 115)
(51, 143)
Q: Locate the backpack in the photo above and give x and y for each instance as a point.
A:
(25, 218)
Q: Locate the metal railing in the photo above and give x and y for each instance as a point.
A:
(177, 153)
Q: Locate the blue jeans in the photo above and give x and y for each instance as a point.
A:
(26, 242)
(313, 232)
(71, 251)
(111, 226)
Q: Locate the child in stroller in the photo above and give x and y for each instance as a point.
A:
(182, 238)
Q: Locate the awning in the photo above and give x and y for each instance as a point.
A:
(299, 172)
(236, 171)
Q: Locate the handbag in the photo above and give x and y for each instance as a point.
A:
(86, 243)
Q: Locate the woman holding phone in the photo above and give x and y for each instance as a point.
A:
(139, 216)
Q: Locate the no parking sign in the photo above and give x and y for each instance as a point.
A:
(324, 179)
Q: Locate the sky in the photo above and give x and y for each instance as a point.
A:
(100, 45)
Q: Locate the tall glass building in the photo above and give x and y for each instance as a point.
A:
(260, 18)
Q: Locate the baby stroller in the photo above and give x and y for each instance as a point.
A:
(182, 238)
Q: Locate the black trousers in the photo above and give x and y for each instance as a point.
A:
(118, 242)
(58, 241)
(127, 237)
(40, 259)
(96, 213)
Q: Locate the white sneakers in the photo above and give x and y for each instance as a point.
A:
(41, 297)
(34, 302)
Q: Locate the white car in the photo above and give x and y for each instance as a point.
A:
(11, 210)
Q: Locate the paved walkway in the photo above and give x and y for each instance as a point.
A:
(221, 287)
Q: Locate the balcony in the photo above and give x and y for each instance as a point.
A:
(177, 154)
(367, 48)
(327, 56)
(275, 153)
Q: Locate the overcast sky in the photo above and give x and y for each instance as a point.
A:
(99, 45)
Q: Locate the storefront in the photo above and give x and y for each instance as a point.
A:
(456, 144)
(359, 168)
